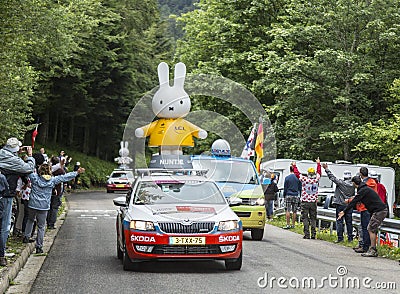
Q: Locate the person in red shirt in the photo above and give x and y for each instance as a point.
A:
(381, 190)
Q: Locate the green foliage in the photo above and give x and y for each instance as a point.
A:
(77, 65)
(322, 68)
(96, 170)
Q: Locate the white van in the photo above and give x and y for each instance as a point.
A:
(280, 167)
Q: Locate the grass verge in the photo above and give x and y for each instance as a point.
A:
(325, 234)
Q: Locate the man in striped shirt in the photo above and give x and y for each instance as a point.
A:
(309, 197)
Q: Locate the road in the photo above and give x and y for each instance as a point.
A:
(83, 260)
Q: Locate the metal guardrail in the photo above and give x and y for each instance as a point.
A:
(329, 215)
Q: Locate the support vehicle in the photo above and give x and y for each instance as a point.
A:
(176, 215)
(238, 180)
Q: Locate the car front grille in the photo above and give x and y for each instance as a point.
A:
(186, 250)
(242, 213)
(247, 201)
(194, 228)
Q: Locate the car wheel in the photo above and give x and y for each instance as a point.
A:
(128, 265)
(120, 253)
(234, 264)
(257, 234)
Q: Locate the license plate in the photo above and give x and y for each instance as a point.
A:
(120, 185)
(187, 240)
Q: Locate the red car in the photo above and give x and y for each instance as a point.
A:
(120, 181)
(177, 217)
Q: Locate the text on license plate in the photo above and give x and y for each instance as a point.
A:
(120, 185)
(187, 240)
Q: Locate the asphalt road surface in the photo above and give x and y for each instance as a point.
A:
(83, 260)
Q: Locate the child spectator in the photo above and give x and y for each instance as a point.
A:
(39, 201)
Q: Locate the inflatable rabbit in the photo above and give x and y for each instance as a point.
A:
(124, 160)
(170, 104)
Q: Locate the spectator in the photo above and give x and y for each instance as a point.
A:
(291, 194)
(56, 195)
(76, 180)
(61, 155)
(375, 207)
(12, 167)
(309, 198)
(380, 188)
(344, 190)
(39, 200)
(270, 189)
(43, 152)
(364, 242)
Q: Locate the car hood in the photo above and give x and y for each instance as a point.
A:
(182, 212)
(239, 190)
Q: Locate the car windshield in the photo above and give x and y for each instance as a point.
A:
(227, 170)
(178, 192)
(121, 175)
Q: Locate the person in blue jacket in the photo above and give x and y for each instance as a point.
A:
(39, 201)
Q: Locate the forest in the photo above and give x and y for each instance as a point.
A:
(326, 72)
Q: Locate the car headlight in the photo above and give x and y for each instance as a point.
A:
(142, 225)
(234, 201)
(109, 182)
(228, 225)
(257, 201)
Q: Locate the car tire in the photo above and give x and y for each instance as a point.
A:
(128, 264)
(120, 253)
(257, 234)
(234, 264)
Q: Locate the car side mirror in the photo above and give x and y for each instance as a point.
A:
(120, 201)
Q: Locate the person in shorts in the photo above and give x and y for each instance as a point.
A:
(375, 207)
(291, 193)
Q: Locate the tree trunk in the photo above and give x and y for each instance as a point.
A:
(55, 135)
(60, 133)
(86, 137)
(71, 131)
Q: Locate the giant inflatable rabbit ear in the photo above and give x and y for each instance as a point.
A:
(163, 74)
(126, 144)
(179, 76)
(122, 144)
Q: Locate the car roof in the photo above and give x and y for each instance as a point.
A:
(172, 175)
(182, 178)
(224, 158)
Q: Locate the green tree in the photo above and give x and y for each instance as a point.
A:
(228, 38)
(329, 64)
(320, 67)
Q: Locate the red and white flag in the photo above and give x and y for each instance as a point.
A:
(34, 134)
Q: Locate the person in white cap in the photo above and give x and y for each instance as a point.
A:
(13, 167)
(344, 191)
